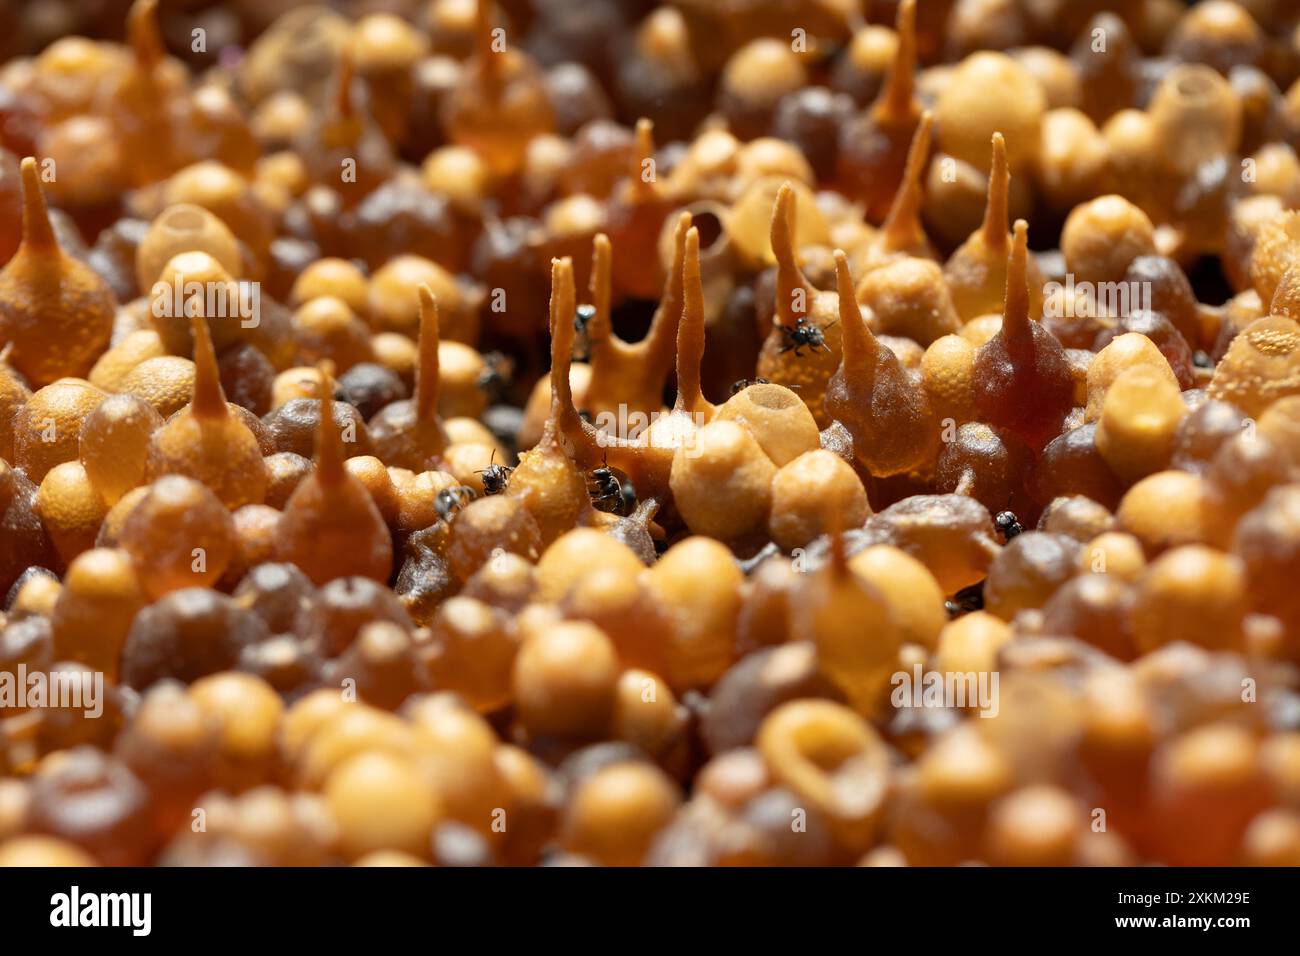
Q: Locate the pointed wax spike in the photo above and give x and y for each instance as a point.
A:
(902, 227)
(1015, 313)
(347, 67)
(995, 212)
(643, 186)
(488, 57)
(563, 296)
(38, 232)
(209, 399)
(329, 443)
(600, 329)
(661, 340)
(580, 440)
(143, 34)
(427, 371)
(858, 343)
(483, 27)
(896, 98)
(690, 334)
(789, 278)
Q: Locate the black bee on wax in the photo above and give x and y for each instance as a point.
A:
(744, 383)
(495, 477)
(1007, 524)
(627, 493)
(611, 491)
(581, 339)
(804, 335)
(498, 369)
(966, 601)
(451, 500)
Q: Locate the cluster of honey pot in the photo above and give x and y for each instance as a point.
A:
(715, 432)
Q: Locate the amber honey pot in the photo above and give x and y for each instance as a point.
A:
(737, 433)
